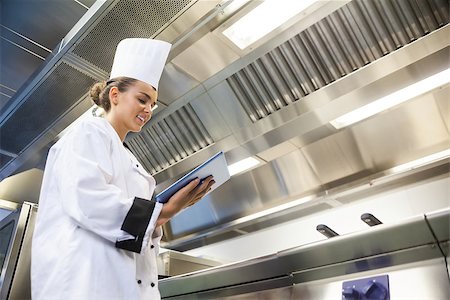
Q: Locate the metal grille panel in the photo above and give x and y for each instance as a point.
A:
(45, 105)
(170, 140)
(346, 40)
(128, 18)
(4, 159)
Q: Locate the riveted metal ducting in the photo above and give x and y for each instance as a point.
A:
(346, 40)
(131, 18)
(170, 140)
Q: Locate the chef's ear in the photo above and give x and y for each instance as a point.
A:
(114, 95)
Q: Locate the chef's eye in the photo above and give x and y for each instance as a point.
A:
(142, 101)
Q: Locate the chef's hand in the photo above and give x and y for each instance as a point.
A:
(187, 196)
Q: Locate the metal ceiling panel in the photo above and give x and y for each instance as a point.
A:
(4, 159)
(12, 74)
(271, 184)
(169, 140)
(201, 67)
(442, 98)
(346, 40)
(130, 18)
(227, 102)
(211, 117)
(46, 104)
(295, 173)
(174, 84)
(36, 19)
(403, 134)
(334, 157)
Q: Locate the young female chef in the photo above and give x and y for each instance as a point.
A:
(97, 231)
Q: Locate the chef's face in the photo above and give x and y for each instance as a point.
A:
(133, 107)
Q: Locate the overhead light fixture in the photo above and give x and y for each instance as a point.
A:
(263, 19)
(243, 165)
(393, 99)
(422, 161)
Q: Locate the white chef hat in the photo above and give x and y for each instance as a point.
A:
(141, 59)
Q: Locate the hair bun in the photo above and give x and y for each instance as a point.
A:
(95, 92)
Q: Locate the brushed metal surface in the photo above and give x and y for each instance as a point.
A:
(382, 248)
(420, 280)
(16, 268)
(352, 53)
(21, 285)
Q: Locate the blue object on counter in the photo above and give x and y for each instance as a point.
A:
(373, 288)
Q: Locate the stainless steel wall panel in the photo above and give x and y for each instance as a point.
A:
(250, 271)
(403, 250)
(422, 280)
(295, 173)
(334, 157)
(380, 142)
(227, 102)
(174, 84)
(211, 117)
(373, 241)
(439, 222)
(276, 289)
(442, 97)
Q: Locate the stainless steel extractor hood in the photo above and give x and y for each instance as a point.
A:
(273, 102)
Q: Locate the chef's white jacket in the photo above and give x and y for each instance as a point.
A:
(95, 235)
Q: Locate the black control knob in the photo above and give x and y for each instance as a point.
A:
(349, 293)
(375, 291)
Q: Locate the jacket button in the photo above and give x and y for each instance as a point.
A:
(152, 284)
(152, 246)
(139, 281)
(137, 166)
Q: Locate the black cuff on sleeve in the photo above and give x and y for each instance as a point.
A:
(136, 223)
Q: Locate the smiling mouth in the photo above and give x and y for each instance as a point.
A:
(141, 118)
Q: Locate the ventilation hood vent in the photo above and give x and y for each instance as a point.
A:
(343, 42)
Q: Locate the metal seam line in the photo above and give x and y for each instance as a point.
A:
(8, 88)
(438, 244)
(23, 48)
(28, 39)
(6, 95)
(81, 4)
(7, 153)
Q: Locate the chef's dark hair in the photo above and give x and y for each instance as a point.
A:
(100, 91)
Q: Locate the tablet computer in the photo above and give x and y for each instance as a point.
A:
(215, 166)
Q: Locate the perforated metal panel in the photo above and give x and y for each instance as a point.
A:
(127, 19)
(353, 36)
(170, 140)
(4, 160)
(52, 99)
